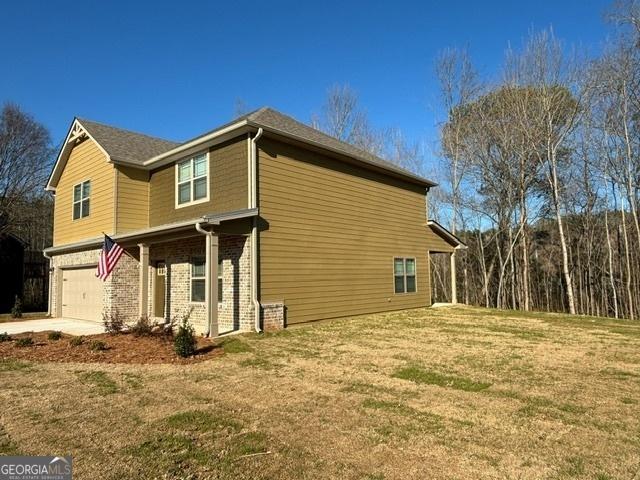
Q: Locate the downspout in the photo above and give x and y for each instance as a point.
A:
(208, 285)
(50, 270)
(254, 230)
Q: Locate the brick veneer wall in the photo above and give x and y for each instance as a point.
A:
(120, 289)
(235, 312)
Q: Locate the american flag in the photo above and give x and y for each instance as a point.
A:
(111, 253)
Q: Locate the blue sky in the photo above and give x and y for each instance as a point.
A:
(177, 69)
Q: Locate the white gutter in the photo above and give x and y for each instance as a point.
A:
(254, 230)
(48, 257)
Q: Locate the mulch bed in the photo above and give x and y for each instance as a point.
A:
(120, 348)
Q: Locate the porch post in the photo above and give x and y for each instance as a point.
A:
(211, 282)
(143, 308)
(454, 295)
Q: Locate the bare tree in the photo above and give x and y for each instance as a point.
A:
(459, 85)
(342, 117)
(25, 159)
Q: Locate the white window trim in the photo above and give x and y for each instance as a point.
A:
(208, 177)
(220, 279)
(415, 275)
(192, 278)
(73, 202)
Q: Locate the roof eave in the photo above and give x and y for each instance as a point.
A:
(447, 235)
(415, 178)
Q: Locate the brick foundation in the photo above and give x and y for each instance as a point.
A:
(273, 316)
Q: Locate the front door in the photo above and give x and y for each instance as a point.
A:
(159, 289)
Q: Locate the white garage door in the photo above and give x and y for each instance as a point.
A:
(81, 294)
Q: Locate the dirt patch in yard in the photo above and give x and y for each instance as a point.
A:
(103, 348)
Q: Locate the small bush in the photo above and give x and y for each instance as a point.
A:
(24, 342)
(5, 337)
(142, 328)
(97, 346)
(76, 341)
(54, 335)
(184, 341)
(113, 323)
(16, 311)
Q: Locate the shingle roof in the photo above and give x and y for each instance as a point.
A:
(124, 145)
(271, 119)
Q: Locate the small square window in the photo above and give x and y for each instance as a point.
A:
(404, 275)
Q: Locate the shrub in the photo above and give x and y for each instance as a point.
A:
(5, 337)
(76, 341)
(184, 341)
(142, 328)
(54, 335)
(24, 342)
(16, 311)
(97, 346)
(113, 323)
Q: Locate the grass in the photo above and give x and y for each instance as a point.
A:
(420, 375)
(452, 393)
(100, 382)
(235, 345)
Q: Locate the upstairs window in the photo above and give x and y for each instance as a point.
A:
(81, 200)
(404, 275)
(192, 180)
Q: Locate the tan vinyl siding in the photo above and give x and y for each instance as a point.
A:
(332, 231)
(132, 211)
(227, 183)
(86, 162)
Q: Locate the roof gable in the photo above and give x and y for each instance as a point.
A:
(118, 146)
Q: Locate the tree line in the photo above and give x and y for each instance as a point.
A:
(543, 174)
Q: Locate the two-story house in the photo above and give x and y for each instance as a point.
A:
(259, 223)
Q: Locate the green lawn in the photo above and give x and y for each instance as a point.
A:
(458, 393)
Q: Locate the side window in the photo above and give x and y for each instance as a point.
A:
(192, 180)
(198, 279)
(220, 281)
(81, 200)
(404, 275)
(198, 283)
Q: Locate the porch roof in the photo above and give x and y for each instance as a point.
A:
(449, 238)
(158, 231)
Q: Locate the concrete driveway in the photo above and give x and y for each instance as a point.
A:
(65, 325)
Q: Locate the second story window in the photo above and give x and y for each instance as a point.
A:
(192, 180)
(81, 199)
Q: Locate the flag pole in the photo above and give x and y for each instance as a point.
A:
(123, 249)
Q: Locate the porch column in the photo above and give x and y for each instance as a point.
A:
(454, 295)
(143, 308)
(211, 282)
